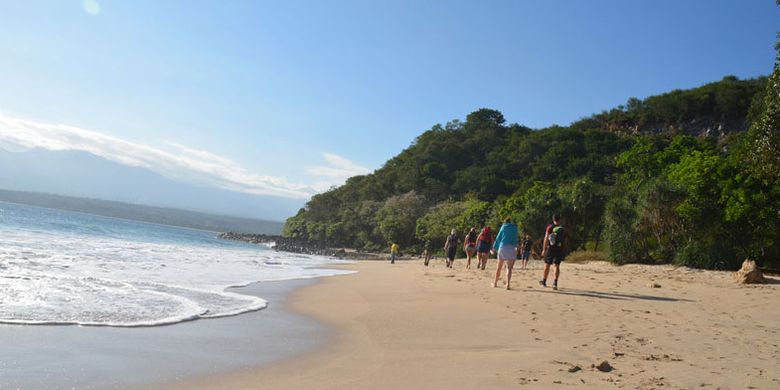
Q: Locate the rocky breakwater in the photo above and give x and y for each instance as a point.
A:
(294, 245)
(283, 244)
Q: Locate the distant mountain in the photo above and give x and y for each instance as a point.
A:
(81, 174)
(160, 215)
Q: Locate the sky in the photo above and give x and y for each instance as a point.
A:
(289, 98)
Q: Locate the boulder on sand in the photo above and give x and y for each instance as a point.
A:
(603, 366)
(749, 273)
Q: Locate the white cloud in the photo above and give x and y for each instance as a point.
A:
(91, 6)
(184, 163)
(336, 172)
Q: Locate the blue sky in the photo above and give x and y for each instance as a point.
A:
(293, 96)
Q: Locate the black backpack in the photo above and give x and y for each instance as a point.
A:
(557, 236)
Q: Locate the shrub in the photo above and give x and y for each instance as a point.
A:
(586, 257)
(621, 234)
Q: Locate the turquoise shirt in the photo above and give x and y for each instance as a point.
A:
(506, 236)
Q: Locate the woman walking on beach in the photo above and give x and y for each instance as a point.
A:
(470, 246)
(506, 246)
(484, 241)
(451, 247)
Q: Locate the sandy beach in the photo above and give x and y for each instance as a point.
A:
(408, 326)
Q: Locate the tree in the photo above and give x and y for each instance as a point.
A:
(658, 220)
(534, 208)
(295, 226)
(763, 144)
(624, 242)
(397, 218)
(436, 224)
(476, 214)
(582, 207)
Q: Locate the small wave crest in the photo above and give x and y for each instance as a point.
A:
(88, 301)
(47, 277)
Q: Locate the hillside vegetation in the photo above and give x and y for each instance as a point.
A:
(670, 178)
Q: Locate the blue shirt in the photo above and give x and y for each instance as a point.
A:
(506, 236)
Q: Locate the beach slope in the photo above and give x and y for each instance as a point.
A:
(408, 326)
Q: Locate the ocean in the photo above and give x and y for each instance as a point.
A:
(61, 267)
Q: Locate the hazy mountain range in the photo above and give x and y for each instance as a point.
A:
(82, 174)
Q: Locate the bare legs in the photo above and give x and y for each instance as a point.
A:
(427, 258)
(483, 258)
(498, 272)
(469, 255)
(510, 264)
(450, 259)
(556, 274)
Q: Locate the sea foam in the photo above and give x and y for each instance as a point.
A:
(69, 268)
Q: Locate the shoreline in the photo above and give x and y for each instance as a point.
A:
(87, 357)
(408, 326)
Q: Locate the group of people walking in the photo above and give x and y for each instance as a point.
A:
(506, 246)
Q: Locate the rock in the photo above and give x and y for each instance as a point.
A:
(653, 285)
(575, 368)
(297, 245)
(279, 243)
(603, 366)
(749, 273)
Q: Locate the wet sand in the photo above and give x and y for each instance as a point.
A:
(408, 326)
(73, 357)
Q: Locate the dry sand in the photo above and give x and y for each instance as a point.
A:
(405, 326)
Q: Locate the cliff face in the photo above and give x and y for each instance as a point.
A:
(712, 110)
(699, 127)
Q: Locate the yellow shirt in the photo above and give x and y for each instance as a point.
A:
(394, 248)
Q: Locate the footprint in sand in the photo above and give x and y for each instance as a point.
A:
(526, 381)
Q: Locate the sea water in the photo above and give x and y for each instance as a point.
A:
(60, 267)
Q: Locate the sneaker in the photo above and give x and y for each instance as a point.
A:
(543, 283)
(555, 286)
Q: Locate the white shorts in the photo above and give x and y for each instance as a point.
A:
(507, 252)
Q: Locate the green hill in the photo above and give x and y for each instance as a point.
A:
(655, 180)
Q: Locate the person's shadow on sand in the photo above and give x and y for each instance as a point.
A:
(771, 279)
(608, 295)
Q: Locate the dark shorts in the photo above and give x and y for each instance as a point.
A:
(526, 255)
(483, 247)
(451, 253)
(553, 258)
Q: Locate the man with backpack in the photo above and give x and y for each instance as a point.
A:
(553, 250)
